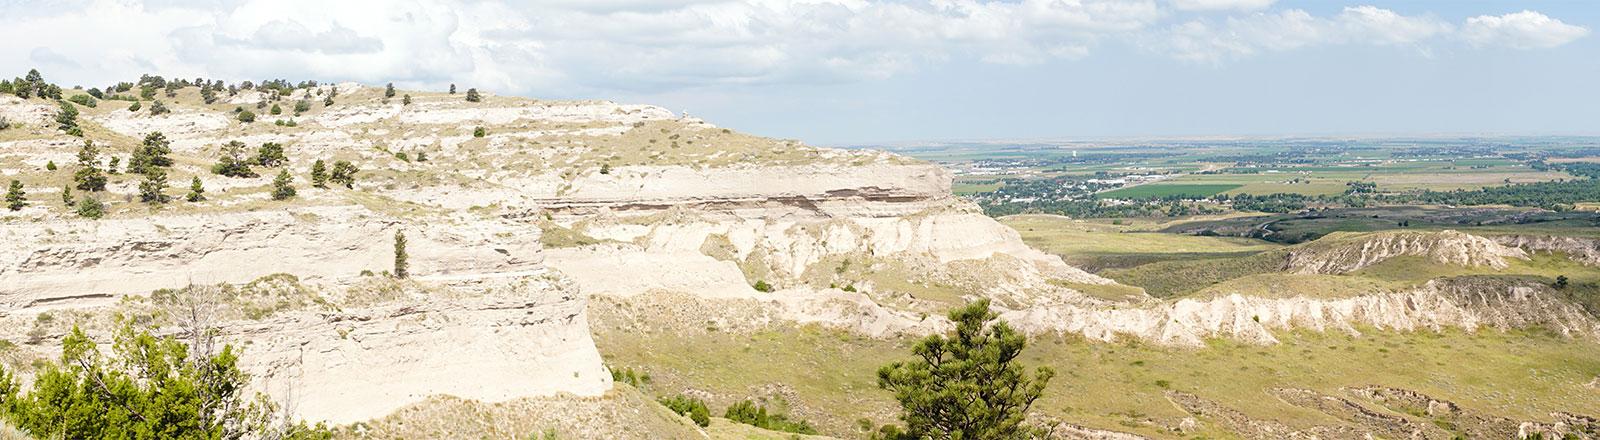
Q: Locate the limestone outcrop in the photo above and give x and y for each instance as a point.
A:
(1344, 253)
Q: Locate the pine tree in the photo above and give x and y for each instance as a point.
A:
(401, 266)
(276, 110)
(344, 173)
(388, 91)
(281, 190)
(153, 189)
(327, 101)
(197, 192)
(406, 100)
(66, 195)
(967, 386)
(472, 95)
(452, 89)
(15, 197)
(89, 177)
(67, 119)
(271, 155)
(233, 162)
(151, 154)
(319, 174)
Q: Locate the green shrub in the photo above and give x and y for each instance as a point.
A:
(692, 407)
(479, 132)
(247, 116)
(146, 386)
(762, 286)
(134, 106)
(83, 100)
(90, 208)
(157, 108)
(756, 415)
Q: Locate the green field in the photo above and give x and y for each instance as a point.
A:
(1168, 189)
(1096, 245)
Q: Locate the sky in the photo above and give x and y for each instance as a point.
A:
(849, 72)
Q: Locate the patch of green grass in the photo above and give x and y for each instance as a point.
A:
(1110, 292)
(1167, 279)
(1094, 246)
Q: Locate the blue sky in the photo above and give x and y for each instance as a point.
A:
(838, 72)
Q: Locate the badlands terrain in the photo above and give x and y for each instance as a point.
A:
(572, 262)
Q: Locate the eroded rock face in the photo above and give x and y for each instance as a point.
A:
(1584, 250)
(1343, 254)
(1468, 303)
(490, 340)
(45, 263)
(481, 317)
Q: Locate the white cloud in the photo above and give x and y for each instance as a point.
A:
(1217, 5)
(1375, 25)
(570, 45)
(1520, 30)
(573, 47)
(1240, 37)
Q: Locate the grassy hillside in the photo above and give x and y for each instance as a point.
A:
(829, 375)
